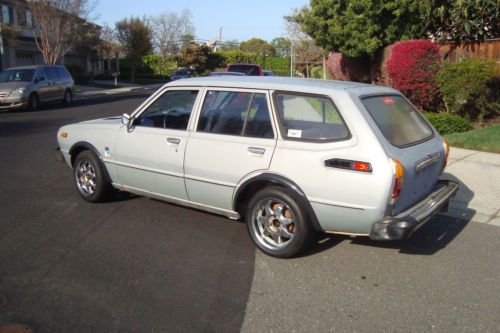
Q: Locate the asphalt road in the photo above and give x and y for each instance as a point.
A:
(140, 265)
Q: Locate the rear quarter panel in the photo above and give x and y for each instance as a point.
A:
(343, 200)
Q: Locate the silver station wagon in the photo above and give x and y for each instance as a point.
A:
(288, 156)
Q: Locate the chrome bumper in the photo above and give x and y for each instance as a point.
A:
(406, 223)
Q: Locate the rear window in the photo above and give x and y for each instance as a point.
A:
(250, 70)
(400, 123)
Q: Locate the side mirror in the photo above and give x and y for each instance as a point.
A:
(38, 79)
(126, 119)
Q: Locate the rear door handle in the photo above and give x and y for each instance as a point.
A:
(256, 150)
(175, 141)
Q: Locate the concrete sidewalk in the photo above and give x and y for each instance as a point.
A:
(479, 176)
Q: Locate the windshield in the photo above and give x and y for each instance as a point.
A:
(400, 123)
(17, 75)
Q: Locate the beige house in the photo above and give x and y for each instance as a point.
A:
(18, 47)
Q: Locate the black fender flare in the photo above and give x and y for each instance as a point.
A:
(280, 180)
(84, 145)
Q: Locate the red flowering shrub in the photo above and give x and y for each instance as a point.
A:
(348, 69)
(412, 69)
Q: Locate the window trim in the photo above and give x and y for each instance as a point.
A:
(270, 105)
(378, 94)
(304, 94)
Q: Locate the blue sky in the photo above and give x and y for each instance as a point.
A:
(240, 20)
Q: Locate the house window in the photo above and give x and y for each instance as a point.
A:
(29, 19)
(5, 14)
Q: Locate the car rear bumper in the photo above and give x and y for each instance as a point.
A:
(404, 224)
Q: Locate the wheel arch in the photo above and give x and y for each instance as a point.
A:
(250, 186)
(80, 146)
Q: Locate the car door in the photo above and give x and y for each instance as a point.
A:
(55, 84)
(234, 136)
(149, 155)
(42, 86)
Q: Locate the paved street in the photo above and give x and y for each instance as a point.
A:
(140, 265)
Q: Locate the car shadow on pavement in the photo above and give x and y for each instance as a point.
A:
(439, 231)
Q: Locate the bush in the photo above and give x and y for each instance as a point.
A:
(279, 65)
(412, 69)
(161, 66)
(77, 73)
(470, 87)
(447, 123)
(348, 69)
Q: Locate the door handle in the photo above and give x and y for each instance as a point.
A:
(175, 141)
(256, 150)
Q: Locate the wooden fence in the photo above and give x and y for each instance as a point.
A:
(489, 49)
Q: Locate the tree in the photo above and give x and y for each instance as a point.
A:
(201, 58)
(361, 28)
(169, 29)
(59, 25)
(282, 46)
(232, 44)
(135, 38)
(464, 20)
(257, 46)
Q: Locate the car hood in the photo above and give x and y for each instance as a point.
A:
(104, 121)
(7, 86)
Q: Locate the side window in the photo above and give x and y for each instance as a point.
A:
(171, 110)
(310, 117)
(235, 113)
(41, 74)
(258, 122)
(62, 73)
(51, 71)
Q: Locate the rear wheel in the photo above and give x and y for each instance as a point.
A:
(277, 223)
(33, 102)
(68, 97)
(90, 179)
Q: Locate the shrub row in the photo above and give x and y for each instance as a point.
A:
(446, 123)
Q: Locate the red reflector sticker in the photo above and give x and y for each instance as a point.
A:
(388, 100)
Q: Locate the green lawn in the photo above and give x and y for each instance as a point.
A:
(484, 139)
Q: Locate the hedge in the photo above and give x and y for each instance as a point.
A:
(446, 123)
(412, 69)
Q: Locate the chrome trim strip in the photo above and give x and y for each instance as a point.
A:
(337, 204)
(132, 166)
(427, 162)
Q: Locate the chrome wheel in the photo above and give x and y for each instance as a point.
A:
(273, 223)
(86, 178)
(67, 97)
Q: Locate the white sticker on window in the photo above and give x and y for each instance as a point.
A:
(294, 133)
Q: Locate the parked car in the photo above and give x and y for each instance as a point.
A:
(268, 72)
(226, 74)
(182, 73)
(247, 69)
(30, 86)
(291, 156)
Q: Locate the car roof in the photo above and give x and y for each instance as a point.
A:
(32, 67)
(281, 83)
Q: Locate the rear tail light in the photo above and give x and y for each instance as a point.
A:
(399, 172)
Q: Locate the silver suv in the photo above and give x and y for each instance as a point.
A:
(30, 86)
(289, 156)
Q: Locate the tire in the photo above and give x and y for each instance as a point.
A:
(90, 178)
(68, 97)
(277, 223)
(33, 102)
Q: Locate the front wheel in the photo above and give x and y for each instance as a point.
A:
(33, 102)
(68, 97)
(90, 179)
(277, 223)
